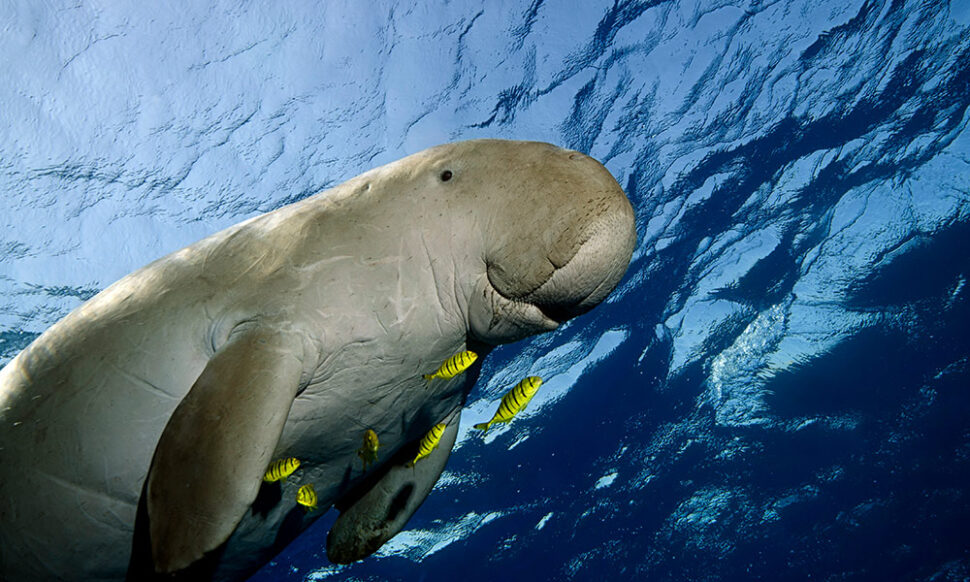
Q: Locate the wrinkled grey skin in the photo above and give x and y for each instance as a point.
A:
(290, 334)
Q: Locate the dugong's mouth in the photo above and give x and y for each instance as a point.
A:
(562, 313)
(556, 312)
(572, 288)
(496, 318)
(507, 318)
(560, 298)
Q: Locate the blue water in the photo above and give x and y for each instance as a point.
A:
(778, 390)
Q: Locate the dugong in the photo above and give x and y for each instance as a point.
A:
(135, 432)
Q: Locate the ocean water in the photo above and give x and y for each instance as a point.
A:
(778, 390)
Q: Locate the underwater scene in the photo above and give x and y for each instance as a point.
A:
(778, 388)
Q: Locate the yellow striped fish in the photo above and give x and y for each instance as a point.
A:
(280, 469)
(368, 452)
(429, 442)
(514, 401)
(453, 366)
(306, 496)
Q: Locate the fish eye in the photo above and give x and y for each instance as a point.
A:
(446, 175)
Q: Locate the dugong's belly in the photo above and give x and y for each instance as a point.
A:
(80, 413)
(378, 388)
(83, 408)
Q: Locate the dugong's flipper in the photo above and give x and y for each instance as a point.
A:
(210, 459)
(382, 511)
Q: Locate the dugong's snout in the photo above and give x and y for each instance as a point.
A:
(588, 278)
(597, 266)
(574, 235)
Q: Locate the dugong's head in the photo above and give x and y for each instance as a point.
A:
(557, 232)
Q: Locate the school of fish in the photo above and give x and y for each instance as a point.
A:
(513, 402)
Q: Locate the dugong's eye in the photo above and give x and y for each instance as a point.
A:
(446, 175)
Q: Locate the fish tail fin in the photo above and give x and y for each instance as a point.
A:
(426, 377)
(483, 426)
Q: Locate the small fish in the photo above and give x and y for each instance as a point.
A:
(453, 366)
(514, 401)
(429, 442)
(280, 469)
(368, 452)
(307, 497)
